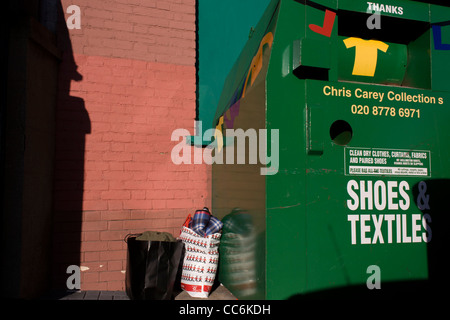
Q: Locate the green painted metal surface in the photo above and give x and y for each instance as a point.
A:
(223, 30)
(363, 151)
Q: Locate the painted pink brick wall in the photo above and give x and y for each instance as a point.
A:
(114, 173)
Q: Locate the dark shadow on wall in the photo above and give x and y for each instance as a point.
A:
(28, 130)
(431, 199)
(72, 126)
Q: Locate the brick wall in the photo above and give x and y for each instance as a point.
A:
(127, 80)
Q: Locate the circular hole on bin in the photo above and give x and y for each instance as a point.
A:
(341, 132)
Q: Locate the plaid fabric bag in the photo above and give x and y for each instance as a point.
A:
(200, 221)
(214, 226)
(200, 262)
(204, 224)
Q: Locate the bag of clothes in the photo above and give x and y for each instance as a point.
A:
(201, 237)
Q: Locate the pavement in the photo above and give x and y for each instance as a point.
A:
(218, 293)
(87, 295)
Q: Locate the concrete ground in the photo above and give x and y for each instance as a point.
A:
(218, 293)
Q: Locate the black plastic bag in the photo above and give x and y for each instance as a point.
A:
(152, 268)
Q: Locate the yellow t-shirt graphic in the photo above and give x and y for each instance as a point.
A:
(366, 54)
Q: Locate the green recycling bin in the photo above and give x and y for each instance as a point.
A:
(332, 156)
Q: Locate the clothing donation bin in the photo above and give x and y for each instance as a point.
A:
(331, 158)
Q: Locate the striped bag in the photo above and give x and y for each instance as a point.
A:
(200, 262)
